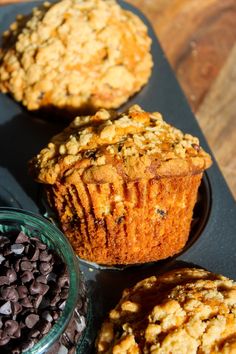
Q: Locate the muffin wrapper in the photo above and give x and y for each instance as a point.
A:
(126, 223)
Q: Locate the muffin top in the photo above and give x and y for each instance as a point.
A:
(185, 311)
(75, 54)
(110, 146)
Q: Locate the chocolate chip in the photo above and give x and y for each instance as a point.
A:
(35, 255)
(11, 327)
(63, 281)
(44, 326)
(4, 339)
(38, 288)
(161, 212)
(27, 276)
(26, 265)
(28, 345)
(34, 333)
(11, 274)
(45, 256)
(10, 294)
(41, 279)
(22, 238)
(31, 320)
(26, 302)
(45, 268)
(16, 308)
(4, 280)
(38, 300)
(5, 309)
(22, 291)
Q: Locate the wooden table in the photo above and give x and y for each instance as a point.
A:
(199, 38)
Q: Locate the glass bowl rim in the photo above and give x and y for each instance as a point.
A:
(24, 216)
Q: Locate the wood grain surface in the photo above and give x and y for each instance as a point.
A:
(199, 38)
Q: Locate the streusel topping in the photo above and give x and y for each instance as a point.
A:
(131, 144)
(186, 311)
(75, 53)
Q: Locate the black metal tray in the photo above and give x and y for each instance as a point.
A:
(213, 240)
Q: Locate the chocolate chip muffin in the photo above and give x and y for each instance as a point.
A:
(185, 311)
(73, 56)
(123, 185)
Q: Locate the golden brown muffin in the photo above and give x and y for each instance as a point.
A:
(75, 55)
(123, 185)
(185, 311)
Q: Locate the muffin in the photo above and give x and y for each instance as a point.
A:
(123, 185)
(75, 56)
(185, 311)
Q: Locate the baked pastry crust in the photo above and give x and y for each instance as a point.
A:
(75, 56)
(123, 185)
(185, 311)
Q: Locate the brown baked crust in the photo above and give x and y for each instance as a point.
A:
(185, 311)
(75, 56)
(109, 147)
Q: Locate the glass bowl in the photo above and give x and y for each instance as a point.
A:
(75, 311)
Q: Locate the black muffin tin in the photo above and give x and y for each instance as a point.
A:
(212, 242)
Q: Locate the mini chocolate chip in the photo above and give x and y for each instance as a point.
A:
(63, 281)
(17, 248)
(52, 277)
(55, 314)
(120, 219)
(44, 326)
(11, 274)
(22, 238)
(64, 293)
(37, 300)
(17, 265)
(11, 327)
(26, 302)
(27, 276)
(16, 308)
(4, 339)
(28, 345)
(45, 256)
(10, 294)
(26, 265)
(4, 280)
(4, 240)
(17, 334)
(34, 333)
(5, 309)
(41, 279)
(31, 320)
(45, 268)
(161, 212)
(22, 291)
(41, 245)
(38, 288)
(35, 255)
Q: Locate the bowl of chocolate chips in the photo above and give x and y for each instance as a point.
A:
(43, 299)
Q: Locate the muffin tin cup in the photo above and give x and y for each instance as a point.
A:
(212, 243)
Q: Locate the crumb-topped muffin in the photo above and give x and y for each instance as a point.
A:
(185, 311)
(123, 185)
(75, 55)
